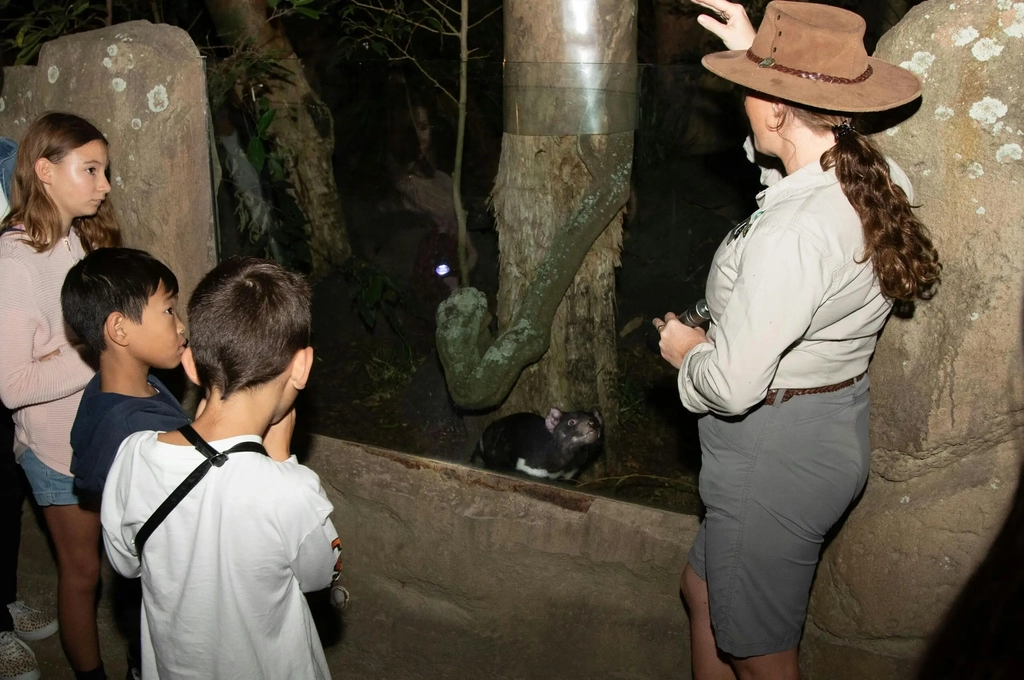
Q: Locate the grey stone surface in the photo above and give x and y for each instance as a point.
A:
(952, 379)
(456, 572)
(948, 385)
(144, 87)
(460, 573)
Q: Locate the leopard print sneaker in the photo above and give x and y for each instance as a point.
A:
(31, 624)
(17, 662)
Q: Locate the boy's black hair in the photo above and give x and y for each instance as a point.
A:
(247, 319)
(111, 280)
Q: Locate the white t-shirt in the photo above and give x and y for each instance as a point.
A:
(223, 575)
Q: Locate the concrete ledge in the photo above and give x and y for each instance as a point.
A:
(457, 572)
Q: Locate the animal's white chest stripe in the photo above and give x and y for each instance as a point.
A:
(541, 473)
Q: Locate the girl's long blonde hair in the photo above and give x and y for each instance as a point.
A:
(52, 136)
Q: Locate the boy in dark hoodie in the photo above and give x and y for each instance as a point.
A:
(121, 303)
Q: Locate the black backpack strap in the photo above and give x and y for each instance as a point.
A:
(214, 458)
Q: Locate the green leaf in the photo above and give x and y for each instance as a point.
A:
(374, 292)
(272, 4)
(19, 40)
(256, 153)
(369, 317)
(276, 169)
(300, 3)
(265, 120)
(307, 12)
(26, 55)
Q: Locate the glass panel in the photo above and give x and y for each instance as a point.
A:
(377, 379)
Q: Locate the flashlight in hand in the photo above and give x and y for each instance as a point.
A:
(697, 315)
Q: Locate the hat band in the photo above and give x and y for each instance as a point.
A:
(768, 62)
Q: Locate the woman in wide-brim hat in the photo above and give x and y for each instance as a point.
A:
(798, 293)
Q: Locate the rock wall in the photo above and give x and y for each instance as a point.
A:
(948, 384)
(459, 573)
(144, 87)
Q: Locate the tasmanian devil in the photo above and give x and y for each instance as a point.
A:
(556, 447)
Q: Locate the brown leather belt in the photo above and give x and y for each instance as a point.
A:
(789, 393)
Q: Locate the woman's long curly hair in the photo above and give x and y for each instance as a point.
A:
(897, 243)
(52, 136)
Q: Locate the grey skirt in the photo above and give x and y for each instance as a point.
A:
(774, 481)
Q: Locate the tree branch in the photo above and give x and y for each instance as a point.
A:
(440, 15)
(408, 18)
(485, 17)
(478, 378)
(405, 55)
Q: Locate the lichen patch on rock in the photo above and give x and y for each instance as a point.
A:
(988, 110)
(1012, 19)
(965, 36)
(919, 63)
(157, 99)
(986, 49)
(1009, 152)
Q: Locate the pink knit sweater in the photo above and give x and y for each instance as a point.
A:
(43, 394)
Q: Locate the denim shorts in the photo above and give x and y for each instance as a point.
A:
(49, 487)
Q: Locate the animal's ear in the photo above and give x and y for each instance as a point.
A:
(597, 414)
(554, 417)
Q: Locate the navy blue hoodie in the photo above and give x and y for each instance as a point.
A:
(105, 419)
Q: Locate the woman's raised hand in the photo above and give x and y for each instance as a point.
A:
(734, 27)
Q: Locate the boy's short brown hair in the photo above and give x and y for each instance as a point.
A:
(247, 318)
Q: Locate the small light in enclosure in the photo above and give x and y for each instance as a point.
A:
(443, 270)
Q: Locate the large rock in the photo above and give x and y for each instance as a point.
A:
(948, 384)
(144, 87)
(459, 573)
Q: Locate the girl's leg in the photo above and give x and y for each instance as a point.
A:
(76, 535)
(707, 663)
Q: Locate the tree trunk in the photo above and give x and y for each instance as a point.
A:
(460, 142)
(541, 181)
(303, 128)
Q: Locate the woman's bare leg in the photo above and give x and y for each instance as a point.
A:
(707, 663)
(76, 535)
(777, 666)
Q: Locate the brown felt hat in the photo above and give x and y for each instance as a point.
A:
(814, 55)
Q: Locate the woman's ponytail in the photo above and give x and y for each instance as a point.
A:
(897, 243)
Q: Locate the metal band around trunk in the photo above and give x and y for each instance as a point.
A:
(552, 99)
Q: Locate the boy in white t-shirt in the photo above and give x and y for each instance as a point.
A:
(223, 574)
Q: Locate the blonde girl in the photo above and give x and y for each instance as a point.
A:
(59, 212)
